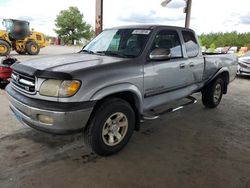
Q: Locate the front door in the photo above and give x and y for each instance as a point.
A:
(167, 75)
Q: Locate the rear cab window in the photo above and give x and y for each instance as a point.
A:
(191, 44)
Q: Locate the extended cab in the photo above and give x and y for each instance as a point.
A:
(116, 81)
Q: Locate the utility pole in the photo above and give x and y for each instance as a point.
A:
(99, 17)
(187, 10)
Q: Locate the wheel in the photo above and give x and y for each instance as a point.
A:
(32, 48)
(111, 126)
(212, 94)
(2, 85)
(21, 52)
(4, 48)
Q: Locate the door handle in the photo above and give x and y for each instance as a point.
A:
(182, 65)
(191, 64)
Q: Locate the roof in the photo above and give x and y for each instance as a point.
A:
(14, 20)
(150, 27)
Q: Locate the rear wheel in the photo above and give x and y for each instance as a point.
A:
(212, 94)
(110, 127)
(32, 48)
(4, 48)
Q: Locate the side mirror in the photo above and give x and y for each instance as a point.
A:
(160, 54)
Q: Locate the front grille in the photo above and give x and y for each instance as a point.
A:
(23, 82)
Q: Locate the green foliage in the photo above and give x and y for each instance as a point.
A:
(225, 39)
(47, 37)
(212, 47)
(71, 26)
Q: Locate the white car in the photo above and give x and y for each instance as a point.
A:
(244, 64)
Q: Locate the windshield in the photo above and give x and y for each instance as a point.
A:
(119, 42)
(8, 24)
(15, 26)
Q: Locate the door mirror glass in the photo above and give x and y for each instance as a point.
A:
(160, 54)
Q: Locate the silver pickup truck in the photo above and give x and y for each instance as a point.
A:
(117, 81)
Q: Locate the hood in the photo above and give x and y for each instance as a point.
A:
(63, 64)
(245, 59)
(70, 62)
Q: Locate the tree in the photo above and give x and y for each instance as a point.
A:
(225, 39)
(71, 26)
(212, 47)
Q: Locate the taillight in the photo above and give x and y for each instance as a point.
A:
(5, 69)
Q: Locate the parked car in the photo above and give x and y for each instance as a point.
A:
(106, 93)
(242, 51)
(244, 64)
(219, 50)
(5, 70)
(225, 49)
(233, 49)
(203, 49)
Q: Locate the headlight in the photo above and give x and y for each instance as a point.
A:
(244, 61)
(59, 88)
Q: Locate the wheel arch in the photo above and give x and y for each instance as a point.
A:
(1, 39)
(127, 92)
(224, 74)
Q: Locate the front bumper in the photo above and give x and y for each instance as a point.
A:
(66, 118)
(243, 69)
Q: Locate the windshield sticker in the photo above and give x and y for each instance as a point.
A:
(141, 32)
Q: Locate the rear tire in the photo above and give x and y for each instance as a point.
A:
(4, 48)
(32, 48)
(212, 93)
(111, 126)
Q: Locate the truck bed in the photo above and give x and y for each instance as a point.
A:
(216, 61)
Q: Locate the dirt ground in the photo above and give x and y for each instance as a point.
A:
(192, 148)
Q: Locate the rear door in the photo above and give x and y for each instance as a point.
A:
(167, 75)
(195, 59)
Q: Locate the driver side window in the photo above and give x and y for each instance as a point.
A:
(168, 39)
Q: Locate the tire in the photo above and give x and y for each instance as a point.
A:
(32, 48)
(4, 48)
(98, 133)
(212, 93)
(2, 85)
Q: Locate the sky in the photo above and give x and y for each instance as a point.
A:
(207, 15)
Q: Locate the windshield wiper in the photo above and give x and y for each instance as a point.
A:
(112, 53)
(86, 51)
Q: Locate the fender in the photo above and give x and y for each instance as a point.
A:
(219, 72)
(5, 40)
(117, 88)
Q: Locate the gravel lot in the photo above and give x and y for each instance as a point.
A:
(194, 147)
(50, 50)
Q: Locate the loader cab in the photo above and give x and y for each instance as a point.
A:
(17, 29)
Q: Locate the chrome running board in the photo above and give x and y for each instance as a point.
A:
(154, 116)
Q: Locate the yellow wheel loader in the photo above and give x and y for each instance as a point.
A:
(20, 38)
